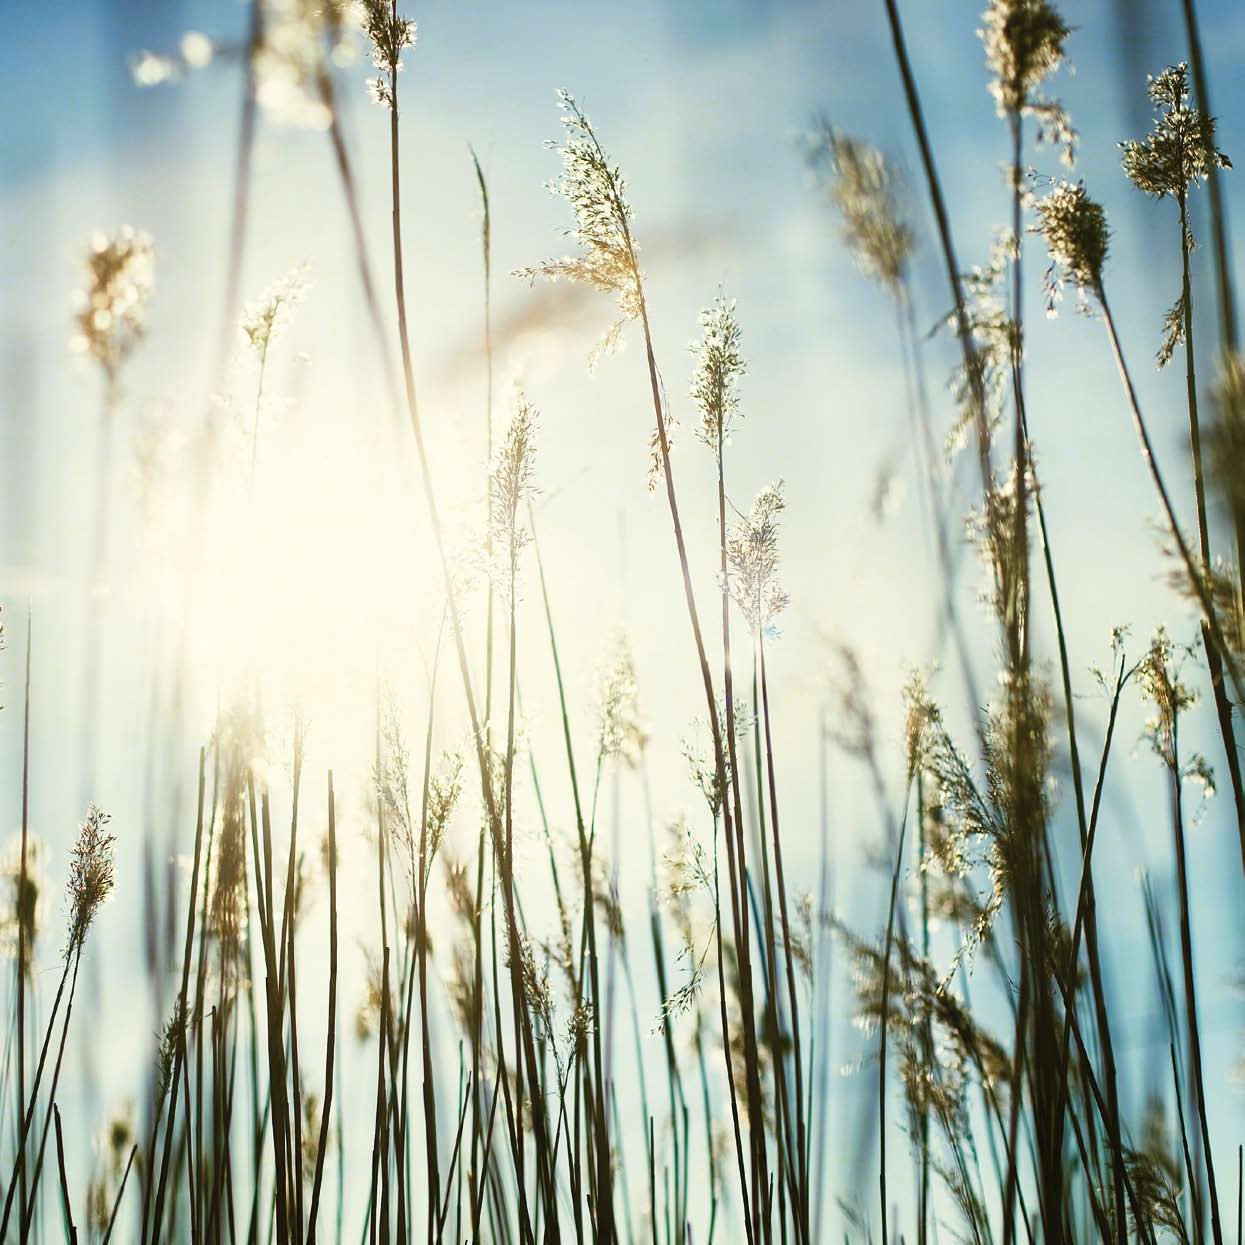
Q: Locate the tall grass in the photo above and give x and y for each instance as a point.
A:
(536, 1059)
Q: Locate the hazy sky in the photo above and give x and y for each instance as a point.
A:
(702, 105)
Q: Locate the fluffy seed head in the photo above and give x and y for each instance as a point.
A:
(1024, 45)
(597, 195)
(110, 316)
(1075, 229)
(1226, 435)
(621, 732)
(21, 903)
(752, 561)
(90, 875)
(866, 191)
(390, 35)
(266, 318)
(1159, 676)
(290, 65)
(1180, 149)
(511, 481)
(719, 366)
(444, 789)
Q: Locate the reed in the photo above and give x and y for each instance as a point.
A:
(580, 1010)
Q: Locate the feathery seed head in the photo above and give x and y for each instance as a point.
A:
(752, 562)
(111, 309)
(867, 192)
(21, 900)
(1226, 435)
(579, 1028)
(264, 320)
(621, 732)
(444, 789)
(1180, 149)
(1156, 1178)
(390, 35)
(290, 65)
(367, 1020)
(1159, 675)
(922, 718)
(719, 366)
(239, 740)
(1024, 42)
(1075, 229)
(510, 481)
(90, 875)
(597, 195)
(170, 1041)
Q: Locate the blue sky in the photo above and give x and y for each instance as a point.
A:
(702, 105)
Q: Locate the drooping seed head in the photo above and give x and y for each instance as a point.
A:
(601, 227)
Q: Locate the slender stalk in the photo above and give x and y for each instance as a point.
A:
(70, 1230)
(1190, 985)
(885, 1024)
(1214, 663)
(180, 1014)
(1229, 334)
(1196, 579)
(330, 1045)
(802, 1207)
(116, 1205)
(47, 1119)
(527, 1053)
(733, 830)
(486, 255)
(29, 1112)
(23, 951)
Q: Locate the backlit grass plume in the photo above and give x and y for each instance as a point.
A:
(445, 787)
(597, 194)
(718, 370)
(866, 191)
(1075, 229)
(621, 731)
(90, 884)
(1180, 150)
(90, 874)
(290, 62)
(752, 559)
(21, 901)
(506, 1087)
(110, 309)
(390, 35)
(1226, 435)
(1171, 160)
(1024, 45)
(511, 482)
(264, 320)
